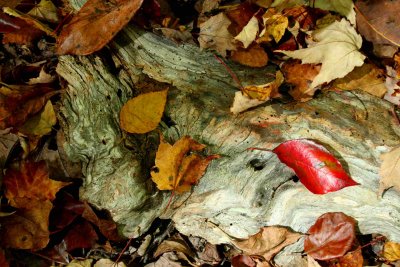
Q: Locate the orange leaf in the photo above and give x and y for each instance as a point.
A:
(30, 183)
(254, 56)
(96, 23)
(351, 259)
(27, 228)
(174, 170)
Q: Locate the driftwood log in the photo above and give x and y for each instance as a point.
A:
(241, 191)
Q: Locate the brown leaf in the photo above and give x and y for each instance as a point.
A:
(75, 238)
(331, 236)
(268, 241)
(174, 244)
(301, 76)
(3, 259)
(254, 56)
(390, 170)
(240, 15)
(243, 261)
(379, 21)
(266, 91)
(368, 78)
(214, 34)
(18, 31)
(18, 103)
(207, 253)
(174, 170)
(28, 227)
(30, 182)
(96, 23)
(351, 259)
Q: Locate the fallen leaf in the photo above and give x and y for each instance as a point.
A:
(169, 259)
(248, 33)
(266, 91)
(311, 262)
(391, 251)
(95, 24)
(343, 7)
(30, 182)
(143, 113)
(3, 259)
(379, 21)
(254, 56)
(76, 240)
(17, 30)
(390, 170)
(214, 34)
(317, 169)
(108, 263)
(274, 25)
(209, 5)
(268, 241)
(335, 47)
(301, 77)
(174, 244)
(28, 227)
(177, 35)
(393, 86)
(18, 103)
(350, 259)
(40, 124)
(80, 263)
(174, 169)
(207, 253)
(368, 78)
(45, 10)
(43, 77)
(242, 102)
(331, 236)
(240, 15)
(9, 3)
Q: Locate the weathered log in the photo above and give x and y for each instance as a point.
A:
(243, 190)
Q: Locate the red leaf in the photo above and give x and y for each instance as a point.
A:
(318, 170)
(82, 235)
(243, 261)
(331, 236)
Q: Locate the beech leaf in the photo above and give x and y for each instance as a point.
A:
(96, 23)
(268, 241)
(317, 169)
(143, 113)
(390, 170)
(174, 170)
(331, 236)
(335, 47)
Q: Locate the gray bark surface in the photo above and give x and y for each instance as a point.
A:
(243, 190)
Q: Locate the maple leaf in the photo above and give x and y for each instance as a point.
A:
(318, 170)
(214, 34)
(335, 47)
(274, 25)
(268, 241)
(143, 113)
(390, 170)
(331, 236)
(30, 182)
(95, 24)
(174, 170)
(248, 33)
(391, 251)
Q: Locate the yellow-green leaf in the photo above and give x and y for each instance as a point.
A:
(143, 113)
(41, 123)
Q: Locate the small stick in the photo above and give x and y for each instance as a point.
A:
(233, 75)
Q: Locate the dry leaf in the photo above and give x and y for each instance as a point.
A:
(274, 25)
(368, 78)
(174, 170)
(248, 33)
(143, 113)
(254, 56)
(379, 21)
(350, 259)
(268, 241)
(30, 182)
(40, 124)
(343, 7)
(174, 244)
(108, 263)
(336, 48)
(390, 170)
(80, 263)
(214, 34)
(27, 228)
(18, 31)
(393, 86)
(96, 23)
(45, 10)
(266, 91)
(242, 102)
(391, 251)
(3, 259)
(311, 262)
(301, 76)
(43, 77)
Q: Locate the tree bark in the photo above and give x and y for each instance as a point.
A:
(243, 190)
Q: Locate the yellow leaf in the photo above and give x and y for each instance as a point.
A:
(174, 169)
(41, 123)
(391, 251)
(390, 170)
(275, 26)
(143, 113)
(45, 10)
(264, 91)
